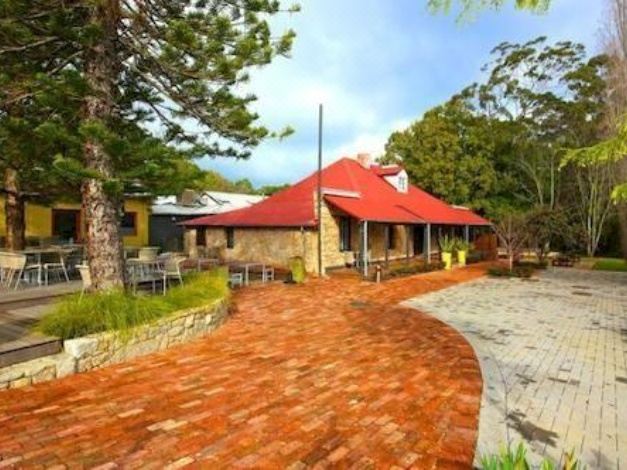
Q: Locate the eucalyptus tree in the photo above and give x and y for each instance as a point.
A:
(469, 7)
(614, 41)
(448, 153)
(554, 95)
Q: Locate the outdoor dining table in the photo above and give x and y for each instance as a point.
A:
(144, 272)
(208, 262)
(246, 266)
(37, 252)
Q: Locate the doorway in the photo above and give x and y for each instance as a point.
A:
(66, 224)
(419, 240)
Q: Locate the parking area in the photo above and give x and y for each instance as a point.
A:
(553, 357)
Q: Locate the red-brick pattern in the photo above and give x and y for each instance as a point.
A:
(331, 373)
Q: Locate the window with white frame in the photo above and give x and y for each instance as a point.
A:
(402, 183)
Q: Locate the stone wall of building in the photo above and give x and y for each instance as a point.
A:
(103, 349)
(376, 237)
(331, 254)
(274, 246)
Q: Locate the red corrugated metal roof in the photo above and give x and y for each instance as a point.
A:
(378, 201)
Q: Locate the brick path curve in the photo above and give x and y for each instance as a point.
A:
(332, 372)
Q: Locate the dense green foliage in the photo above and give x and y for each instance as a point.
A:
(117, 310)
(411, 269)
(498, 146)
(448, 153)
(524, 272)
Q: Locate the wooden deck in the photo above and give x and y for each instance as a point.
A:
(19, 312)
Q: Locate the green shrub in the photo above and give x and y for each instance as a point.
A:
(518, 271)
(508, 459)
(408, 270)
(117, 310)
(297, 269)
(532, 264)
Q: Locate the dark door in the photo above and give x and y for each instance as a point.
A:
(66, 224)
(419, 240)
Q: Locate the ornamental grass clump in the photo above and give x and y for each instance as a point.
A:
(120, 311)
(516, 459)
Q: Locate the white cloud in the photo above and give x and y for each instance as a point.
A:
(377, 66)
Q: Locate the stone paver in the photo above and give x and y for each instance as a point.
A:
(332, 373)
(553, 355)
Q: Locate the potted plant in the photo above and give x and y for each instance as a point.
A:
(463, 248)
(297, 270)
(447, 245)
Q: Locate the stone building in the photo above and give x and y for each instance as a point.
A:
(362, 205)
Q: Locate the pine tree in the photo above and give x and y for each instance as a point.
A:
(177, 63)
(37, 52)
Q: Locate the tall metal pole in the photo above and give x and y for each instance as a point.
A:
(320, 190)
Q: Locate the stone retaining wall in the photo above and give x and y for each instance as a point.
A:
(102, 349)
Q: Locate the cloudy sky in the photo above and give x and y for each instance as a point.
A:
(377, 65)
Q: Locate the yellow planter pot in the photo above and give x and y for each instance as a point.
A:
(461, 258)
(447, 259)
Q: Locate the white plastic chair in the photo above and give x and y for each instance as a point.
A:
(14, 267)
(267, 274)
(56, 267)
(172, 270)
(236, 280)
(83, 270)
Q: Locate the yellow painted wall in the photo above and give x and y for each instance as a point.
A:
(142, 208)
(39, 219)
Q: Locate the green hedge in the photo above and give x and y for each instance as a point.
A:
(414, 269)
(518, 271)
(532, 264)
(117, 310)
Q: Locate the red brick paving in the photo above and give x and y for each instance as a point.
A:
(332, 373)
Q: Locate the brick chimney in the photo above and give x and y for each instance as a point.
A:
(364, 159)
(188, 197)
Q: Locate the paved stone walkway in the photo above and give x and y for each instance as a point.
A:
(333, 373)
(554, 359)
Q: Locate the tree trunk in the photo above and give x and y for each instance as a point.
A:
(102, 208)
(622, 209)
(14, 211)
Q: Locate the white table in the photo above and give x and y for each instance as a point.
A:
(246, 267)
